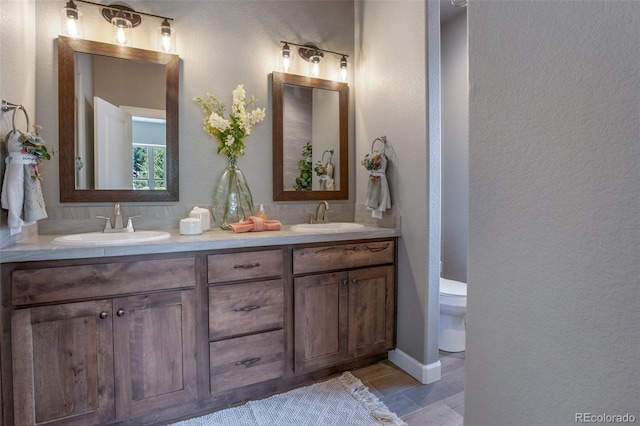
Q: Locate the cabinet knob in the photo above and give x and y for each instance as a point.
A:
(104, 314)
(354, 281)
(345, 282)
(120, 312)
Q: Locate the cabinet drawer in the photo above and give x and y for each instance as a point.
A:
(245, 308)
(244, 265)
(316, 259)
(246, 360)
(53, 284)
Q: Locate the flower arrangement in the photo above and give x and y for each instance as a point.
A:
(230, 132)
(372, 163)
(33, 144)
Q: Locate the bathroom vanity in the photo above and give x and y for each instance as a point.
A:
(150, 333)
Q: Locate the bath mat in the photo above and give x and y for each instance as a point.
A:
(343, 401)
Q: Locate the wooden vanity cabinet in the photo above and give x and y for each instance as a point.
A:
(85, 362)
(246, 318)
(344, 302)
(142, 340)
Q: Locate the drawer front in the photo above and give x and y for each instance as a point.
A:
(244, 265)
(316, 259)
(246, 360)
(54, 284)
(245, 308)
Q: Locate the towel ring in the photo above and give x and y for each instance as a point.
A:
(330, 151)
(383, 141)
(26, 116)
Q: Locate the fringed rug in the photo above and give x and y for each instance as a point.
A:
(343, 401)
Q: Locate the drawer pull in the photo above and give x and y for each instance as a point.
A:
(104, 314)
(248, 362)
(120, 312)
(247, 308)
(247, 266)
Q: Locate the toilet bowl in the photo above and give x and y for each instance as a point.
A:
(453, 307)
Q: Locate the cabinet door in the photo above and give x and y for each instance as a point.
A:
(154, 337)
(63, 364)
(371, 310)
(321, 315)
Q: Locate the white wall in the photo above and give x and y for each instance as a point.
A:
(554, 246)
(455, 147)
(394, 85)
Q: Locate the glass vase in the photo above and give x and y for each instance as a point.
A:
(232, 201)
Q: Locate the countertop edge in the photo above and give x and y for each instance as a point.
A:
(41, 247)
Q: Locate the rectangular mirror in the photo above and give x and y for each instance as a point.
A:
(310, 138)
(118, 123)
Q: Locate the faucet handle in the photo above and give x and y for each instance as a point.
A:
(107, 224)
(130, 223)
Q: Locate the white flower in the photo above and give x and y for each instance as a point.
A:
(217, 122)
(230, 140)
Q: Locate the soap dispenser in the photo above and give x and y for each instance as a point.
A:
(261, 213)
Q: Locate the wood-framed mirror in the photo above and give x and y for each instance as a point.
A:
(310, 138)
(142, 86)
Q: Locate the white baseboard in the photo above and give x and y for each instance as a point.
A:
(425, 374)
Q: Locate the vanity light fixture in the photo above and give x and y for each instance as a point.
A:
(314, 55)
(123, 19)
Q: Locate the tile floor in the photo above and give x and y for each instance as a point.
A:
(436, 404)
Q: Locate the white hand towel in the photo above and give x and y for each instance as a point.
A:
(13, 187)
(378, 195)
(17, 180)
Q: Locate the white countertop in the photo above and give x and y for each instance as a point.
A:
(41, 247)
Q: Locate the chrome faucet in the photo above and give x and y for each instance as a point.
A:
(321, 213)
(118, 224)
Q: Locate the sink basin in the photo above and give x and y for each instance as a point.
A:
(102, 239)
(327, 227)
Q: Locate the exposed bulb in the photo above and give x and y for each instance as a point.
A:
(315, 66)
(122, 27)
(71, 20)
(286, 58)
(166, 41)
(343, 69)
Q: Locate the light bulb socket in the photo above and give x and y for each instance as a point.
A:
(165, 28)
(286, 51)
(343, 63)
(71, 10)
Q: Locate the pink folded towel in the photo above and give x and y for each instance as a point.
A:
(256, 224)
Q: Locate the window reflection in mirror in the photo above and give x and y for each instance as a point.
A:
(121, 123)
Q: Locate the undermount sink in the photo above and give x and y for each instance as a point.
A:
(107, 239)
(327, 227)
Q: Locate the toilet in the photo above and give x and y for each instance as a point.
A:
(453, 307)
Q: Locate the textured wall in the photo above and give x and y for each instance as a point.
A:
(455, 147)
(17, 81)
(554, 266)
(392, 99)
